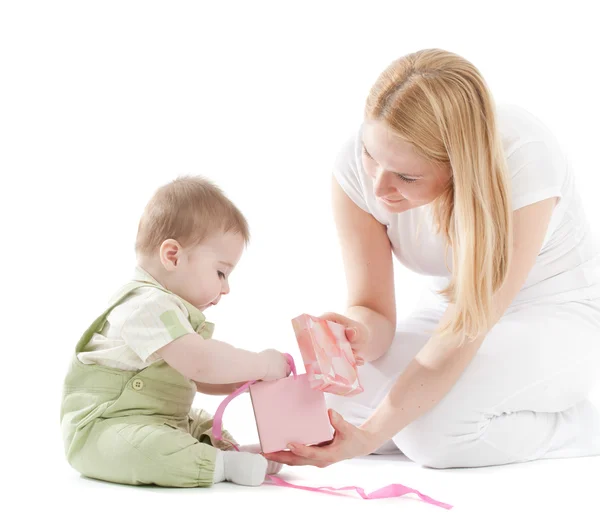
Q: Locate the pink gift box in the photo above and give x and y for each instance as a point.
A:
(327, 355)
(289, 411)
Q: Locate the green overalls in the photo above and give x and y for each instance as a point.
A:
(137, 428)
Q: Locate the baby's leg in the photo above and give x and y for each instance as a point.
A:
(142, 451)
(243, 468)
(201, 424)
(272, 468)
(138, 451)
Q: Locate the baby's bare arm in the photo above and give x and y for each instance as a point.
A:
(215, 362)
(217, 389)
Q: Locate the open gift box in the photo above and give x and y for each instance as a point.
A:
(289, 411)
(293, 409)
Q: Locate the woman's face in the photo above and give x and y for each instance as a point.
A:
(402, 179)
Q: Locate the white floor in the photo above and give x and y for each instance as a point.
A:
(567, 487)
(37, 482)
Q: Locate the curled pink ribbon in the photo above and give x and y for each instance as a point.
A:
(393, 490)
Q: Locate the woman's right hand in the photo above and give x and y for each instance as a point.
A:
(276, 365)
(357, 334)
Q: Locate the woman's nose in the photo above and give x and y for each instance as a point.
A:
(382, 185)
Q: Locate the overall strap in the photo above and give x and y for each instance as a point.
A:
(98, 324)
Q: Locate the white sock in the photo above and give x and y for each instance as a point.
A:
(241, 468)
(272, 467)
(219, 473)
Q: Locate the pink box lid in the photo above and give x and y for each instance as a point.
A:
(327, 355)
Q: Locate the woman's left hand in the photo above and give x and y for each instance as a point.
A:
(348, 442)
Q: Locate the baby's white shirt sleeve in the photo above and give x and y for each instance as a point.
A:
(149, 320)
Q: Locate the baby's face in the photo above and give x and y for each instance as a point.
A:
(203, 274)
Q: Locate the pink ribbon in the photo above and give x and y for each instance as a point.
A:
(393, 490)
(218, 418)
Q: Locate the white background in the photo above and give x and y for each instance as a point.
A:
(102, 102)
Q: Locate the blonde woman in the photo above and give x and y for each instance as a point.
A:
(497, 366)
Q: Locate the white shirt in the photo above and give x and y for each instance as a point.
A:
(145, 322)
(567, 267)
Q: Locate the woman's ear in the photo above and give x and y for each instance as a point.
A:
(170, 254)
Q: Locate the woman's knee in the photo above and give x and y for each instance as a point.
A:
(436, 443)
(352, 411)
(423, 447)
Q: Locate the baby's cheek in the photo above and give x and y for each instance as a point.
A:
(216, 289)
(205, 292)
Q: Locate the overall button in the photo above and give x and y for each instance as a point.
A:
(137, 384)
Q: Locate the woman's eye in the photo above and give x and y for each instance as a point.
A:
(401, 177)
(221, 274)
(407, 180)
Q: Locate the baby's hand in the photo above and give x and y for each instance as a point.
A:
(276, 365)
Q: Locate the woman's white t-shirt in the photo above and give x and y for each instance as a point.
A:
(567, 267)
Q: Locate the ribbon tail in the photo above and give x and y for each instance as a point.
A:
(397, 490)
(394, 490)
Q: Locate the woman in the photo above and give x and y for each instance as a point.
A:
(497, 367)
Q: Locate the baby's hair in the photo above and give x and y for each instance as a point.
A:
(189, 209)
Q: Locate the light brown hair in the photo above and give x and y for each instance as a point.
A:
(439, 102)
(188, 209)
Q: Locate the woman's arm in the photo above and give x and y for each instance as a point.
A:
(437, 367)
(442, 360)
(367, 257)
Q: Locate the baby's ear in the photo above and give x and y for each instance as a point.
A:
(170, 254)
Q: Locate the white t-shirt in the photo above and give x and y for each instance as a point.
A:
(137, 328)
(568, 266)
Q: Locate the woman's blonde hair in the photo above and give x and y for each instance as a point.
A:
(438, 102)
(188, 209)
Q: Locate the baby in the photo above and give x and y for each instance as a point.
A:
(127, 412)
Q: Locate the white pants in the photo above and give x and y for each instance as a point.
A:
(523, 397)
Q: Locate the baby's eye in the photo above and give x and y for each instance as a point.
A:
(221, 274)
